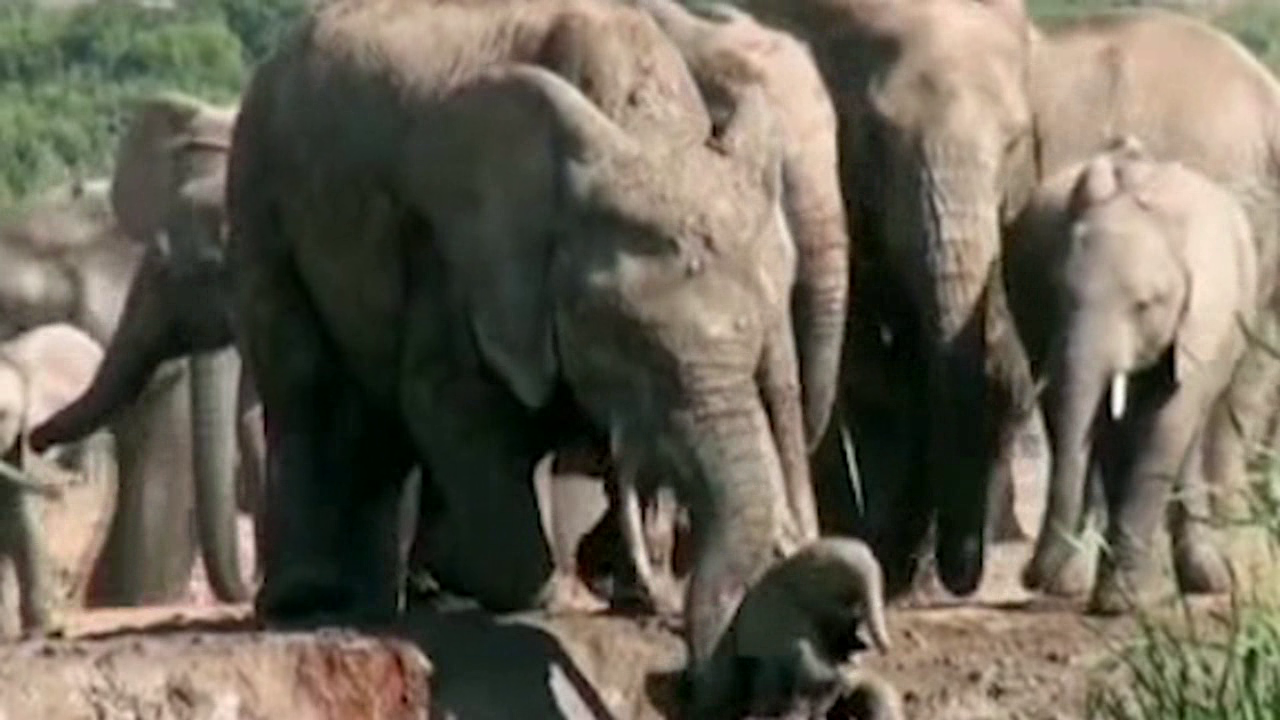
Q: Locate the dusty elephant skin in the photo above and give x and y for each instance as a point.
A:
(40, 370)
(728, 52)
(417, 275)
(167, 193)
(1191, 94)
(1130, 277)
(796, 627)
(935, 152)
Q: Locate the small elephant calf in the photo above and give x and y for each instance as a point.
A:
(785, 652)
(40, 371)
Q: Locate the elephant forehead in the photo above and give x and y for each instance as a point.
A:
(699, 198)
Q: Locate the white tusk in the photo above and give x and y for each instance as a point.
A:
(1119, 392)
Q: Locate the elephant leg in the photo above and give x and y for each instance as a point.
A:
(1199, 565)
(558, 508)
(1236, 425)
(32, 563)
(151, 544)
(1143, 458)
(488, 543)
(336, 463)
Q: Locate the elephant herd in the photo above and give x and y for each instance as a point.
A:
(711, 256)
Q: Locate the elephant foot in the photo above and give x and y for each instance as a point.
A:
(567, 594)
(300, 601)
(1065, 573)
(1201, 569)
(926, 589)
(1119, 592)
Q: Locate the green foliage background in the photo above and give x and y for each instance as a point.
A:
(68, 76)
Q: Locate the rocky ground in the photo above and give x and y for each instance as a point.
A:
(1001, 655)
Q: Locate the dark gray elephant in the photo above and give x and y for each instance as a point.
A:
(65, 260)
(1129, 278)
(167, 193)
(1196, 96)
(40, 370)
(472, 246)
(936, 151)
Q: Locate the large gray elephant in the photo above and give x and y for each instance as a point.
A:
(1196, 96)
(1129, 278)
(936, 151)
(64, 260)
(40, 370)
(471, 246)
(727, 52)
(167, 194)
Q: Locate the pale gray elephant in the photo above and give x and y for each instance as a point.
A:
(40, 370)
(797, 626)
(936, 151)
(472, 246)
(1195, 96)
(167, 193)
(1130, 278)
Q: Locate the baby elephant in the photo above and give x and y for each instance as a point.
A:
(1129, 279)
(786, 651)
(41, 370)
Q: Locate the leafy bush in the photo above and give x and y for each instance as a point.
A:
(67, 77)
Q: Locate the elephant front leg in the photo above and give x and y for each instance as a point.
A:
(1198, 564)
(31, 561)
(1145, 458)
(487, 541)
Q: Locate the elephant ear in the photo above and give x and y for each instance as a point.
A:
(528, 147)
(58, 361)
(148, 164)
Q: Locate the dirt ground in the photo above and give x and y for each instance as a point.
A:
(1000, 655)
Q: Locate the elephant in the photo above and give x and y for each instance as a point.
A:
(527, 249)
(1129, 277)
(40, 369)
(167, 195)
(726, 51)
(797, 624)
(936, 153)
(1196, 96)
(64, 260)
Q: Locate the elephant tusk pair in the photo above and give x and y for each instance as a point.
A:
(1119, 395)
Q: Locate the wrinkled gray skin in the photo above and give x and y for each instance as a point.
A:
(167, 192)
(64, 260)
(935, 152)
(797, 625)
(1129, 278)
(40, 370)
(727, 52)
(444, 269)
(1193, 95)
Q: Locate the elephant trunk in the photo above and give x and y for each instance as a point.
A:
(731, 476)
(1073, 399)
(962, 243)
(141, 342)
(214, 390)
(780, 382)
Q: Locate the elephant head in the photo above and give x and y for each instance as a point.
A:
(167, 193)
(1150, 267)
(936, 153)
